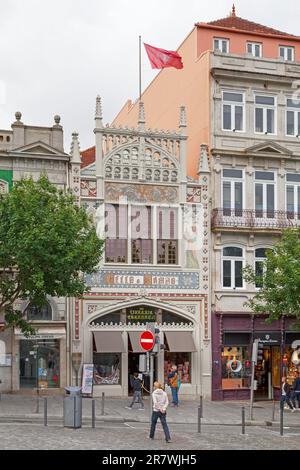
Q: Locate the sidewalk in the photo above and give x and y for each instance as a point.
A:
(23, 408)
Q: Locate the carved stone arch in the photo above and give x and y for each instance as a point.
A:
(50, 301)
(138, 302)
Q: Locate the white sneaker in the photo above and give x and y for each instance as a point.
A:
(128, 407)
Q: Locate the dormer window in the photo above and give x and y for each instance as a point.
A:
(254, 48)
(287, 53)
(221, 45)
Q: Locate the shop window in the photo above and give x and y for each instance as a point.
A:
(183, 362)
(35, 313)
(236, 367)
(291, 362)
(107, 368)
(39, 364)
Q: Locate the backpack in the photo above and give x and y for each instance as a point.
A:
(174, 381)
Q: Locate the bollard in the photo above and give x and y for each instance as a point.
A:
(45, 411)
(281, 418)
(201, 405)
(102, 404)
(199, 419)
(273, 411)
(37, 410)
(93, 413)
(243, 420)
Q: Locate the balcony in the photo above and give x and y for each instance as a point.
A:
(245, 219)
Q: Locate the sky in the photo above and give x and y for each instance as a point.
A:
(57, 55)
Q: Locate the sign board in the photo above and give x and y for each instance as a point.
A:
(147, 340)
(87, 379)
(268, 339)
(141, 314)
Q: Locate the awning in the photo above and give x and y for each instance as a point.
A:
(135, 341)
(109, 341)
(180, 341)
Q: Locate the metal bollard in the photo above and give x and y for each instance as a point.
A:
(37, 409)
(201, 405)
(102, 404)
(199, 419)
(45, 412)
(281, 418)
(243, 420)
(273, 411)
(93, 413)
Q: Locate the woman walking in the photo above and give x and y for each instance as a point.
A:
(160, 404)
(286, 394)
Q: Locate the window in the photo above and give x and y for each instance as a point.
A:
(232, 192)
(141, 238)
(265, 114)
(293, 117)
(167, 242)
(254, 48)
(233, 111)
(260, 257)
(232, 267)
(221, 44)
(183, 362)
(264, 194)
(236, 365)
(287, 53)
(115, 233)
(39, 363)
(293, 195)
(35, 313)
(107, 368)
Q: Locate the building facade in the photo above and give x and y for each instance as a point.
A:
(240, 85)
(155, 268)
(42, 362)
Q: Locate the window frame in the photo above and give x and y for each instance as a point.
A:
(286, 48)
(232, 180)
(265, 109)
(253, 44)
(296, 111)
(259, 259)
(265, 182)
(233, 260)
(296, 189)
(219, 39)
(233, 105)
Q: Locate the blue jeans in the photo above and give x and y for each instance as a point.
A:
(174, 391)
(286, 399)
(137, 398)
(163, 420)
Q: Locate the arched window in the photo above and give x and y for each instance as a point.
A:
(232, 263)
(44, 313)
(260, 257)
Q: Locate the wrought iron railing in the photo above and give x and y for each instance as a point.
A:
(248, 218)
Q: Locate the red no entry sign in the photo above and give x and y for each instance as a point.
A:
(147, 340)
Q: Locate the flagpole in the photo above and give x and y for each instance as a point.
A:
(140, 68)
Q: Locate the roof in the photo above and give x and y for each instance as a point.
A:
(88, 156)
(237, 23)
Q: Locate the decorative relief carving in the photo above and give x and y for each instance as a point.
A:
(193, 195)
(140, 193)
(88, 188)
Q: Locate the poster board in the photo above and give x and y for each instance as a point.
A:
(87, 379)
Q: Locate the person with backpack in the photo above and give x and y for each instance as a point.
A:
(137, 392)
(174, 383)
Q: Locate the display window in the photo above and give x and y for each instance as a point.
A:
(291, 364)
(236, 367)
(39, 363)
(183, 362)
(107, 368)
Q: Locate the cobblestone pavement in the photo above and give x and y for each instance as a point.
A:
(133, 437)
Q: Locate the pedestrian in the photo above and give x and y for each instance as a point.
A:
(286, 394)
(160, 403)
(137, 391)
(173, 378)
(296, 389)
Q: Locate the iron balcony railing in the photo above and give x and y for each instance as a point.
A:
(252, 218)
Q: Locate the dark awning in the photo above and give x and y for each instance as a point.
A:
(135, 341)
(109, 341)
(180, 341)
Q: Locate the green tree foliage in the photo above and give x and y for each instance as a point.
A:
(46, 243)
(279, 292)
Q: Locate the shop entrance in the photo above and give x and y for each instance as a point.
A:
(133, 366)
(267, 372)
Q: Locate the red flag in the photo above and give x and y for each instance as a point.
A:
(160, 58)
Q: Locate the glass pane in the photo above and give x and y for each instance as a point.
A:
(239, 118)
(238, 197)
(290, 199)
(281, 52)
(233, 173)
(226, 195)
(260, 253)
(39, 363)
(269, 100)
(293, 103)
(107, 368)
(259, 273)
(258, 200)
(290, 54)
(257, 50)
(270, 200)
(290, 130)
(264, 175)
(259, 120)
(236, 367)
(270, 121)
(226, 273)
(238, 274)
(224, 46)
(226, 116)
(293, 177)
(232, 251)
(249, 48)
(230, 96)
(216, 45)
